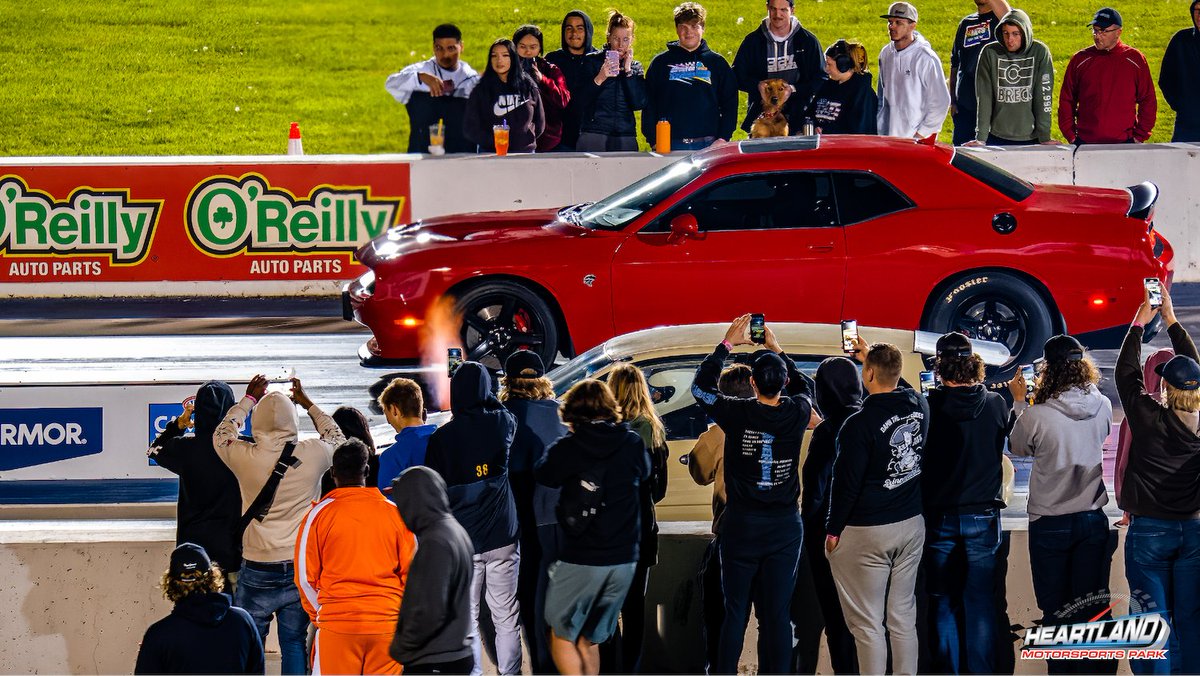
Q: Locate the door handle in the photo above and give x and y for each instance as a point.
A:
(820, 248)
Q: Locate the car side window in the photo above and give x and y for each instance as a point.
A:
(762, 202)
(862, 196)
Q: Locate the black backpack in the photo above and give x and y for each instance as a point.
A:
(581, 500)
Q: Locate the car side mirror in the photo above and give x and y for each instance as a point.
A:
(684, 226)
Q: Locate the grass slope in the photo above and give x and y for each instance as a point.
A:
(226, 77)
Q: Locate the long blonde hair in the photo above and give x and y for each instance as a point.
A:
(633, 395)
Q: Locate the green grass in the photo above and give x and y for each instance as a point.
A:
(173, 78)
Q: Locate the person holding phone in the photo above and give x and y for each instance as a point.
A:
(613, 92)
(552, 84)
(1064, 430)
(436, 89)
(761, 531)
(1162, 484)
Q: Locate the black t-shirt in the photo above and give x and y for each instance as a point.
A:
(974, 33)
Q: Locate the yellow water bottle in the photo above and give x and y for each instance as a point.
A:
(662, 137)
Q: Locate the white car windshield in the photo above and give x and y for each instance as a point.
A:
(618, 209)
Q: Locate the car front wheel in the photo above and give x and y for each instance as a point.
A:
(499, 318)
(998, 307)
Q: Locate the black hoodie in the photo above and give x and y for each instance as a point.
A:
(845, 107)
(538, 426)
(435, 615)
(797, 60)
(762, 443)
(204, 634)
(573, 70)
(619, 453)
(839, 395)
(961, 464)
(210, 504)
(493, 102)
(696, 91)
(1162, 479)
(609, 107)
(1177, 80)
(471, 453)
(876, 474)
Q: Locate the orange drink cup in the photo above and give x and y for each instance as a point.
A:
(500, 136)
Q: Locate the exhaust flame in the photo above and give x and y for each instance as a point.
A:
(440, 333)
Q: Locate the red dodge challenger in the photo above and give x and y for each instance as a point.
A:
(888, 232)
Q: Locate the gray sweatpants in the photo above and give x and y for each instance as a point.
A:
(495, 578)
(875, 569)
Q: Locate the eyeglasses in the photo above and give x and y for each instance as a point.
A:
(1096, 30)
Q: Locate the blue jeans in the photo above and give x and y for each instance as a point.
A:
(264, 593)
(1070, 556)
(759, 553)
(960, 560)
(1162, 562)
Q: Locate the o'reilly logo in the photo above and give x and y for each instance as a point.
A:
(88, 221)
(227, 215)
(36, 436)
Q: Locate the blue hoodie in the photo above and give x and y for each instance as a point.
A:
(471, 454)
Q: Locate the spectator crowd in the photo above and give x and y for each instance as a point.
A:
(1000, 91)
(542, 512)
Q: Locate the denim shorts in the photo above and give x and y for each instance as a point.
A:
(586, 600)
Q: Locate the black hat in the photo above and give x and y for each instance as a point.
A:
(1062, 348)
(954, 344)
(1181, 372)
(768, 369)
(1107, 17)
(524, 364)
(189, 561)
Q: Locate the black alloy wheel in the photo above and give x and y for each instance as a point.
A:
(500, 318)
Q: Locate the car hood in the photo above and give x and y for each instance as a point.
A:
(491, 226)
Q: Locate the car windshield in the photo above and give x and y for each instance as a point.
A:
(583, 366)
(626, 204)
(992, 176)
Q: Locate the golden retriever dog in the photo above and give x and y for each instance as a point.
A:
(772, 121)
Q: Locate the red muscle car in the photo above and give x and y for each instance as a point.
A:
(803, 229)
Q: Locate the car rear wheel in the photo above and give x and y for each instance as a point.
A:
(998, 307)
(500, 318)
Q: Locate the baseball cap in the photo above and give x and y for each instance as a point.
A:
(901, 10)
(1062, 348)
(1107, 17)
(954, 344)
(524, 364)
(1181, 372)
(768, 370)
(189, 561)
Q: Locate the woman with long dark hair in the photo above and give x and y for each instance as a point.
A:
(552, 84)
(505, 95)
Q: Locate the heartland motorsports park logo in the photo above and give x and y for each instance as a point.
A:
(227, 215)
(1141, 634)
(88, 221)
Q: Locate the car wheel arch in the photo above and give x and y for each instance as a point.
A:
(565, 344)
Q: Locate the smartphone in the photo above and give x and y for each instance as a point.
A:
(1154, 288)
(1027, 373)
(454, 359)
(613, 59)
(849, 335)
(928, 382)
(758, 329)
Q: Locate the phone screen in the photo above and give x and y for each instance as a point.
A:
(1030, 380)
(1154, 287)
(927, 382)
(613, 58)
(849, 334)
(758, 329)
(453, 361)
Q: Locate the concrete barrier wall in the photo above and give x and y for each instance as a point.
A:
(76, 597)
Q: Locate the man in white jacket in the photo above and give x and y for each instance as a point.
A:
(437, 89)
(913, 97)
(266, 585)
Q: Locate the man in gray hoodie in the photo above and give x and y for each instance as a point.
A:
(1014, 84)
(433, 632)
(1064, 430)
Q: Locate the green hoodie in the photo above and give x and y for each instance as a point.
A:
(1014, 90)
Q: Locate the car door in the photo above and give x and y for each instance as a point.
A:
(767, 243)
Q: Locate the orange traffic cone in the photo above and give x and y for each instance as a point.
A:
(295, 145)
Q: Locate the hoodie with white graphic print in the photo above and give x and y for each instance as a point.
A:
(913, 97)
(494, 102)
(1015, 89)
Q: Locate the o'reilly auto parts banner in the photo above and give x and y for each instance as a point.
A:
(231, 221)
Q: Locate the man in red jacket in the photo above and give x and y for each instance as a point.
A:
(1108, 93)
